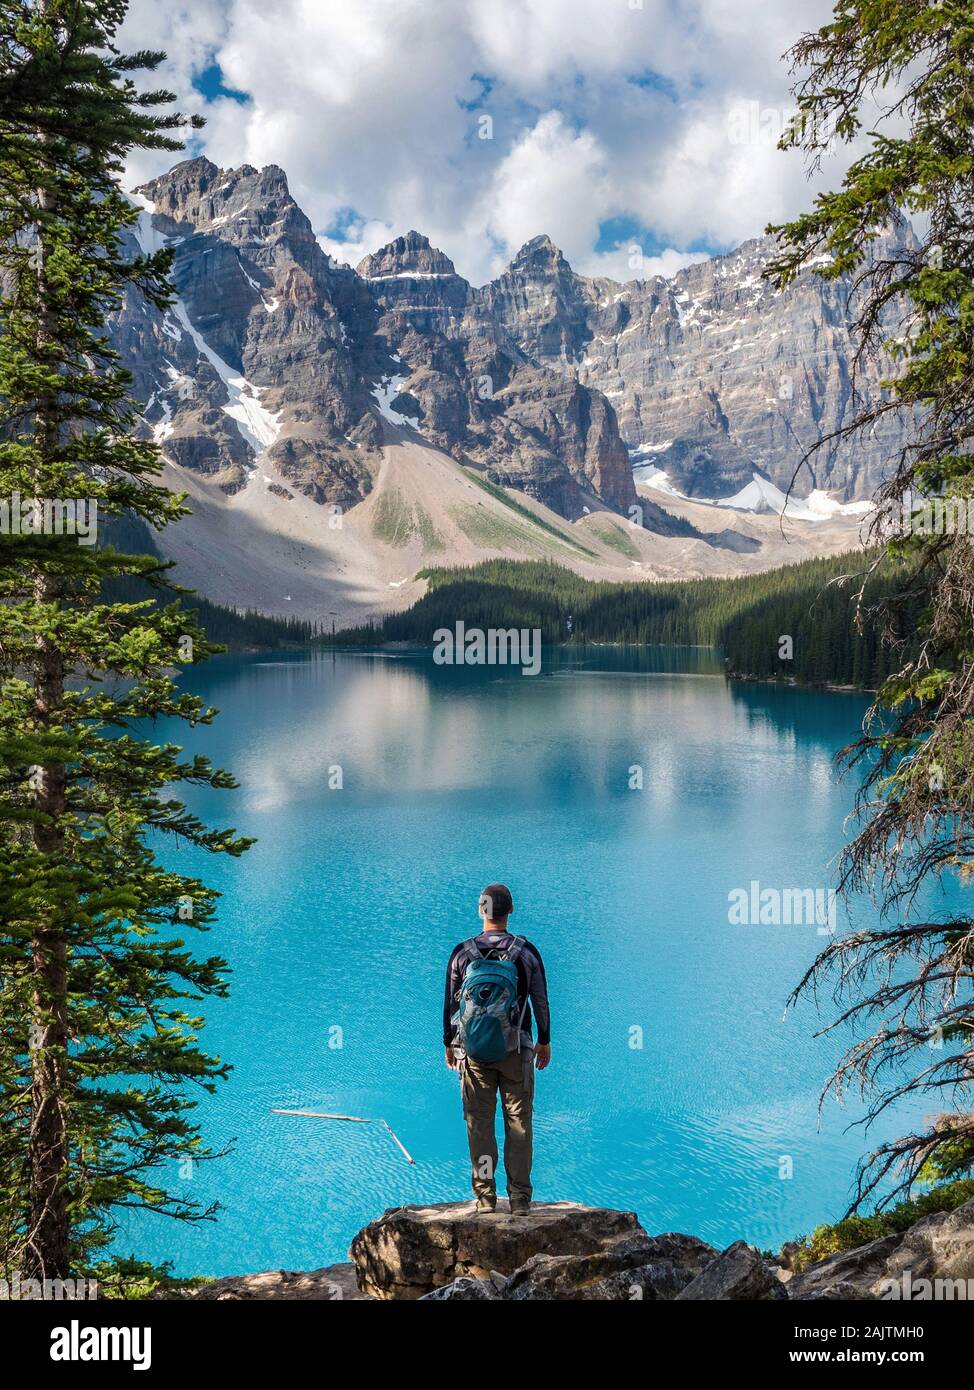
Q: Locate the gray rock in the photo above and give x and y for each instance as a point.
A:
(717, 372)
(463, 1290)
(740, 1272)
(315, 342)
(333, 1284)
(636, 1266)
(835, 1293)
(939, 1247)
(859, 1268)
(410, 1251)
(480, 397)
(260, 292)
(544, 378)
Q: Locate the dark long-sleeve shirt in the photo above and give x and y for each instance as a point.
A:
(532, 985)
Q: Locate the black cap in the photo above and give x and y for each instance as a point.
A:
(496, 901)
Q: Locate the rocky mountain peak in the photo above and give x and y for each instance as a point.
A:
(542, 304)
(539, 255)
(199, 171)
(275, 367)
(409, 255)
(198, 196)
(190, 179)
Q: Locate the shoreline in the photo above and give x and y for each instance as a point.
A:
(745, 677)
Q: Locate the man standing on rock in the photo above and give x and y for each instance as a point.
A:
(493, 980)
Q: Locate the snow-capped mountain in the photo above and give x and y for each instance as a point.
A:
(321, 354)
(712, 374)
(339, 427)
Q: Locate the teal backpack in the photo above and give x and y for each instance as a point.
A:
(487, 1021)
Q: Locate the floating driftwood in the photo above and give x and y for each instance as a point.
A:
(355, 1120)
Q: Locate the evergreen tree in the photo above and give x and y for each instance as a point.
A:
(909, 980)
(745, 617)
(97, 1006)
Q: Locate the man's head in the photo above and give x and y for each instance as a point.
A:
(496, 905)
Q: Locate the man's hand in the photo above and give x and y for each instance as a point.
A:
(451, 1059)
(542, 1055)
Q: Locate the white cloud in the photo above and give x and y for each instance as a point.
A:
(366, 237)
(552, 177)
(599, 111)
(626, 261)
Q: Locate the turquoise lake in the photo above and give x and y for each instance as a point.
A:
(339, 922)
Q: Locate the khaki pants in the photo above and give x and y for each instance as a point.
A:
(513, 1076)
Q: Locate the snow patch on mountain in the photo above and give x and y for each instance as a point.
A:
(255, 422)
(759, 497)
(269, 304)
(414, 275)
(258, 427)
(385, 393)
(162, 429)
(145, 234)
(184, 386)
(650, 475)
(823, 505)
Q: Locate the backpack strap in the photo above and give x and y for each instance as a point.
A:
(512, 953)
(469, 952)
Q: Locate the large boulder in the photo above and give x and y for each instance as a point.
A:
(858, 1269)
(740, 1272)
(633, 1267)
(410, 1251)
(940, 1247)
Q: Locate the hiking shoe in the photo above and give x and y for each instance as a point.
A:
(485, 1207)
(520, 1208)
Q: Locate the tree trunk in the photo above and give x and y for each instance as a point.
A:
(47, 1254)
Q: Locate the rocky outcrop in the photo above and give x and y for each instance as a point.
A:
(333, 1284)
(739, 1273)
(941, 1246)
(410, 259)
(630, 1268)
(938, 1247)
(636, 1266)
(859, 1268)
(467, 1290)
(410, 1251)
(566, 1252)
(544, 305)
(560, 1251)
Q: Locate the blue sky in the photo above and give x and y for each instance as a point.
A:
(638, 134)
(210, 85)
